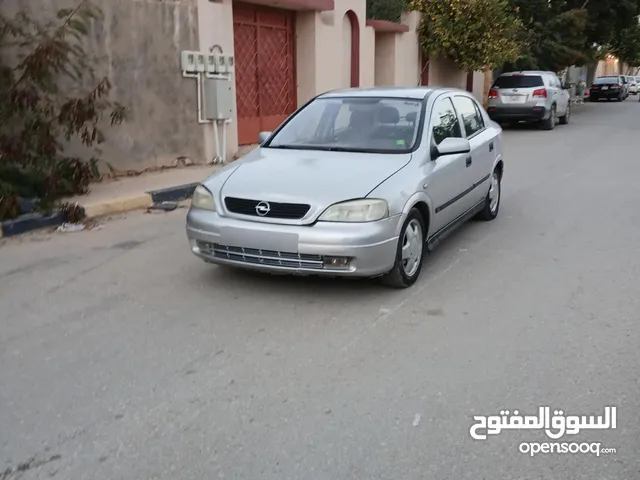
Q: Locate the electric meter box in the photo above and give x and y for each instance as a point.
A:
(211, 63)
(218, 101)
(188, 61)
(200, 62)
(221, 61)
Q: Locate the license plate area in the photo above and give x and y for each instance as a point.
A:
(259, 239)
(517, 99)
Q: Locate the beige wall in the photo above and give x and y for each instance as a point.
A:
(215, 27)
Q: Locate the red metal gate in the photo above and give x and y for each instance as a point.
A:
(264, 40)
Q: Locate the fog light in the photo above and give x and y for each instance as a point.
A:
(337, 262)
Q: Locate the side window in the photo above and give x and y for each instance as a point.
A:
(444, 121)
(471, 117)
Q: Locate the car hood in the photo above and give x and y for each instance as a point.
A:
(318, 178)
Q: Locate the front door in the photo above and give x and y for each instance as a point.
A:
(449, 176)
(264, 40)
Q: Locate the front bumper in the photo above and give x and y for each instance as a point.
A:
(517, 113)
(368, 249)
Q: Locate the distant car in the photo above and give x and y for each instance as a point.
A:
(607, 88)
(633, 85)
(529, 96)
(357, 183)
(623, 81)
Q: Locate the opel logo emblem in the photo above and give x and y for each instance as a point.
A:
(263, 208)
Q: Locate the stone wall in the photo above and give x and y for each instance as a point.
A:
(138, 45)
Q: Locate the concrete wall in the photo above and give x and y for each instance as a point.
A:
(138, 45)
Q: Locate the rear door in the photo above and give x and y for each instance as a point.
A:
(517, 90)
(482, 146)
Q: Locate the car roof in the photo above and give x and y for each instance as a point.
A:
(524, 72)
(418, 93)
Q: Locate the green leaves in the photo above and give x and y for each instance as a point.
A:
(50, 94)
(476, 34)
(390, 10)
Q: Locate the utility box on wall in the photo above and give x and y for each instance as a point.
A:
(218, 101)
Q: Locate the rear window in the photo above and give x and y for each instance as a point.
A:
(605, 80)
(519, 81)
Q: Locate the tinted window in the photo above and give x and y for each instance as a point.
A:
(519, 81)
(471, 118)
(444, 121)
(605, 80)
(354, 124)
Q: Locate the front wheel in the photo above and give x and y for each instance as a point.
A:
(492, 201)
(409, 254)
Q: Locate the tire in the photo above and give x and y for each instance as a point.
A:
(550, 123)
(401, 275)
(619, 99)
(564, 120)
(492, 201)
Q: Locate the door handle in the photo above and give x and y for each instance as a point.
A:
(491, 147)
(468, 161)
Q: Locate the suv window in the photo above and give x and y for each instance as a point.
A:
(444, 121)
(471, 117)
(519, 81)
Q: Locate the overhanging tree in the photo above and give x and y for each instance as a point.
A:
(475, 34)
(555, 33)
(390, 10)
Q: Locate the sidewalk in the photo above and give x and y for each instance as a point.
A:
(119, 195)
(131, 193)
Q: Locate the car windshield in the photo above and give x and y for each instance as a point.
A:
(353, 124)
(605, 80)
(519, 81)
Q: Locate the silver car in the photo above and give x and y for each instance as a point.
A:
(530, 96)
(358, 182)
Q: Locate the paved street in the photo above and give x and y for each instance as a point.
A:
(122, 356)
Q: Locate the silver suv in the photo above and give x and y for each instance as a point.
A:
(529, 96)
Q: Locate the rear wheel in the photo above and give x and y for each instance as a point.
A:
(409, 254)
(565, 118)
(550, 123)
(619, 99)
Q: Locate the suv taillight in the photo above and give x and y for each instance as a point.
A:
(540, 93)
(493, 94)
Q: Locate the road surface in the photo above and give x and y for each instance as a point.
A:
(122, 356)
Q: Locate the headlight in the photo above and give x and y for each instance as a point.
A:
(202, 198)
(356, 211)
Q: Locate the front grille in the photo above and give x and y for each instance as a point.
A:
(272, 258)
(245, 206)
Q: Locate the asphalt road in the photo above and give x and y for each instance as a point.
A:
(122, 356)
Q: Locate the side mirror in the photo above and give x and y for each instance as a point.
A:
(263, 137)
(450, 146)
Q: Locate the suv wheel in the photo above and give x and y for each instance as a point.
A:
(550, 123)
(565, 118)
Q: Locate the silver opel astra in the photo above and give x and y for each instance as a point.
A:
(357, 182)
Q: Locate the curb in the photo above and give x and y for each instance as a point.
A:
(35, 221)
(30, 221)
